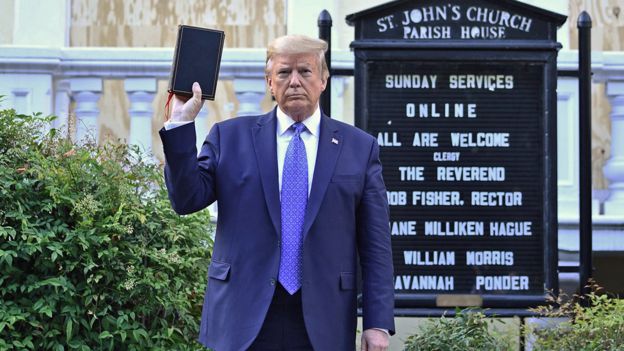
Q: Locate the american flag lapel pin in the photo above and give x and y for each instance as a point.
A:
(334, 141)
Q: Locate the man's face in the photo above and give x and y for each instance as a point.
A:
(296, 83)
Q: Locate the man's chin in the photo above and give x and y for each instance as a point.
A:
(298, 112)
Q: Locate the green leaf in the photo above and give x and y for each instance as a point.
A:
(47, 311)
(39, 304)
(53, 282)
(74, 344)
(105, 334)
(139, 332)
(68, 329)
(18, 343)
(29, 344)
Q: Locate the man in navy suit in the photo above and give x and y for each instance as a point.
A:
(300, 197)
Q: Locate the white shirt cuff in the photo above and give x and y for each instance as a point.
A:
(383, 330)
(174, 124)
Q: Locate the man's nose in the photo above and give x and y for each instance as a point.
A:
(295, 80)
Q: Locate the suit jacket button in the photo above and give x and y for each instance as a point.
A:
(272, 281)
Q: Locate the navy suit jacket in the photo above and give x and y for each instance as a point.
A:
(347, 215)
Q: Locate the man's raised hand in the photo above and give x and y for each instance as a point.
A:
(186, 109)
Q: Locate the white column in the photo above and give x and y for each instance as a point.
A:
(614, 169)
(27, 93)
(141, 95)
(22, 100)
(250, 92)
(86, 93)
(62, 100)
(567, 146)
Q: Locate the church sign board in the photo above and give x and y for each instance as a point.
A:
(461, 96)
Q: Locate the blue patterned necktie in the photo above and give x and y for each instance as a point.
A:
(294, 200)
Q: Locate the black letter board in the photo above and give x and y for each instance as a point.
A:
(461, 96)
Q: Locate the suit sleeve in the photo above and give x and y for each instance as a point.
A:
(375, 250)
(190, 179)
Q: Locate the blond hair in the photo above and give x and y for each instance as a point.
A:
(296, 45)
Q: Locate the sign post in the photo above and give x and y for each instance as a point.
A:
(461, 96)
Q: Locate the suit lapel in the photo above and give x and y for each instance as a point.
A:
(265, 146)
(329, 146)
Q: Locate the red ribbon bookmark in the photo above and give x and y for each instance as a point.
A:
(167, 113)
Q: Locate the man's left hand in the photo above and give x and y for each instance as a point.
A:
(375, 340)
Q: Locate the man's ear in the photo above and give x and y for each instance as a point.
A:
(324, 81)
(269, 83)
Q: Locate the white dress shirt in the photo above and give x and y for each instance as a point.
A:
(174, 124)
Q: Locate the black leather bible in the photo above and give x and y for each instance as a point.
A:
(197, 58)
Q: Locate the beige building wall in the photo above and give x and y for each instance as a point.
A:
(153, 23)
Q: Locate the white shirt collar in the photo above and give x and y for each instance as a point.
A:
(312, 123)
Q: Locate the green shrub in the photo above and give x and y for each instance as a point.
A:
(468, 330)
(597, 327)
(91, 255)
